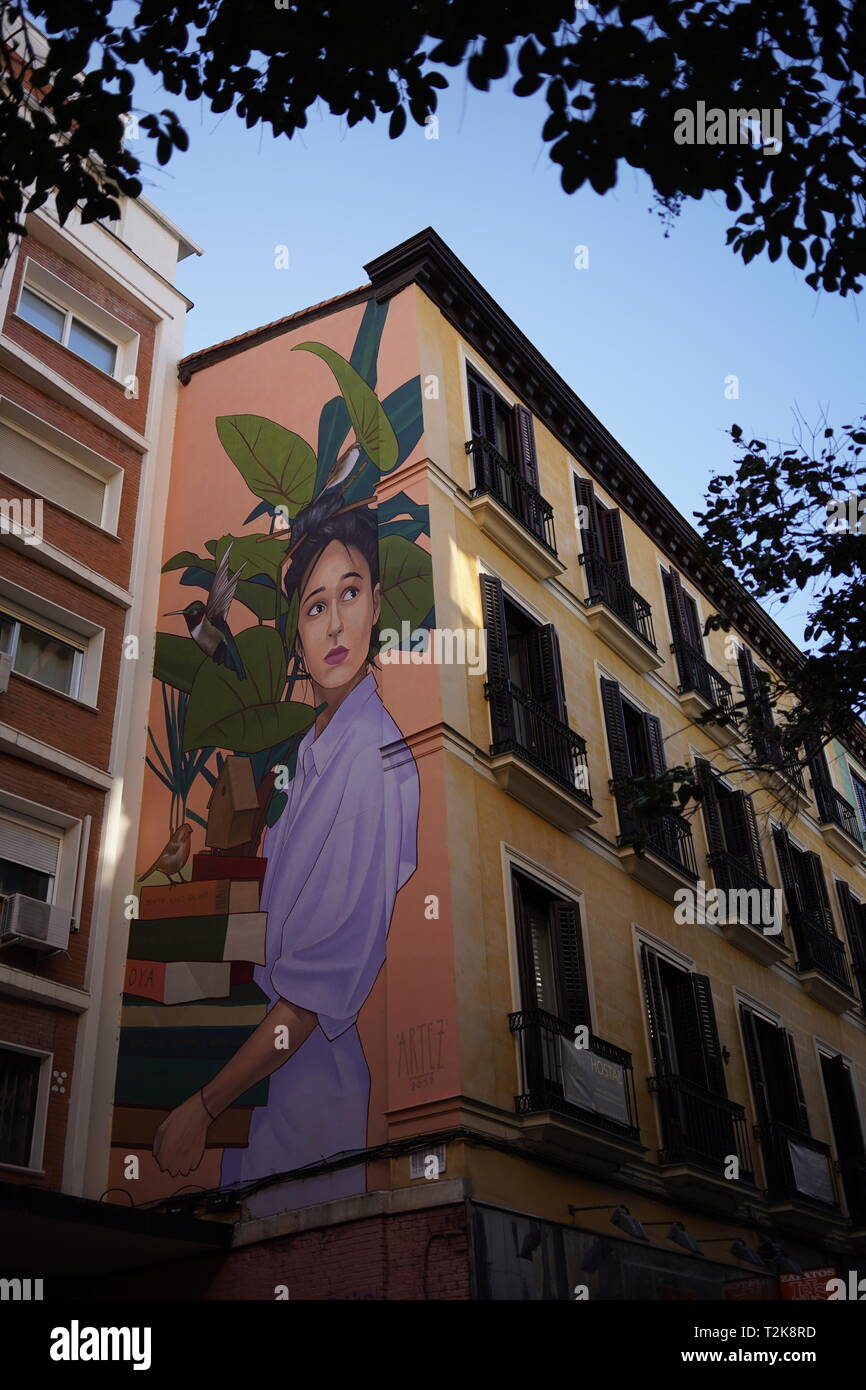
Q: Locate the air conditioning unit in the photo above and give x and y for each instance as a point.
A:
(5, 671)
(35, 924)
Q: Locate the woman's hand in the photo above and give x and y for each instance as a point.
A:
(180, 1139)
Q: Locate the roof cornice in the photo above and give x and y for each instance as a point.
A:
(427, 261)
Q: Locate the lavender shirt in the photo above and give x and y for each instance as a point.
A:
(344, 845)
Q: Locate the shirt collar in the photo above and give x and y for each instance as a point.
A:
(323, 748)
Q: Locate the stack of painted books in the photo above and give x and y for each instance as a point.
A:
(189, 998)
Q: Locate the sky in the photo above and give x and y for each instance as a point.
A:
(649, 333)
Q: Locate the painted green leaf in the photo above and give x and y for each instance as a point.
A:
(373, 429)
(181, 561)
(406, 576)
(176, 660)
(259, 554)
(275, 463)
(247, 715)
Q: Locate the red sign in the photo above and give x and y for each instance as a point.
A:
(759, 1288)
(811, 1284)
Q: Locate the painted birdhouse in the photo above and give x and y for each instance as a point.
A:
(233, 805)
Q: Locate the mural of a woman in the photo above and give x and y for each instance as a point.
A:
(344, 845)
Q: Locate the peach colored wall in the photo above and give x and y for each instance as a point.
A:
(208, 498)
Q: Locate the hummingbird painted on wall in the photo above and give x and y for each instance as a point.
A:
(174, 855)
(207, 622)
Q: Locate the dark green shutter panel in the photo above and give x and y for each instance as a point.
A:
(755, 1063)
(860, 796)
(617, 742)
(551, 667)
(822, 784)
(656, 744)
(614, 542)
(844, 1115)
(590, 534)
(525, 434)
(797, 1099)
(694, 631)
(816, 890)
(571, 968)
(710, 806)
(676, 608)
(787, 865)
(746, 663)
(748, 807)
(493, 607)
(663, 1059)
(482, 409)
(854, 919)
(708, 1036)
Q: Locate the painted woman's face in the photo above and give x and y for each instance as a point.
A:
(337, 611)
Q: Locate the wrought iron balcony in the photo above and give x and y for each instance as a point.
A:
(696, 673)
(700, 1127)
(819, 948)
(797, 1167)
(523, 726)
(833, 809)
(500, 479)
(730, 873)
(669, 837)
(607, 587)
(769, 750)
(594, 1084)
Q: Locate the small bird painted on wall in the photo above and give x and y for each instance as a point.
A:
(207, 623)
(173, 856)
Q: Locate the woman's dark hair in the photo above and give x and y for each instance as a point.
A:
(316, 526)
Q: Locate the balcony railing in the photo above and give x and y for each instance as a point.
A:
(819, 948)
(700, 1127)
(528, 729)
(696, 673)
(607, 587)
(730, 872)
(496, 477)
(769, 750)
(669, 837)
(594, 1084)
(797, 1167)
(833, 808)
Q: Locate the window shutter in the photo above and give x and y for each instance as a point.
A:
(755, 1062)
(748, 807)
(571, 967)
(854, 919)
(617, 742)
(787, 865)
(29, 847)
(801, 1120)
(482, 409)
(614, 542)
(746, 663)
(822, 784)
(676, 608)
(694, 630)
(816, 890)
(656, 744)
(663, 1059)
(493, 608)
(710, 806)
(590, 534)
(707, 1033)
(741, 830)
(550, 663)
(843, 1110)
(860, 796)
(525, 435)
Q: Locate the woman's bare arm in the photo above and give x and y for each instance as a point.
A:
(278, 1036)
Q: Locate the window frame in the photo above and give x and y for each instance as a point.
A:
(38, 280)
(80, 649)
(37, 1140)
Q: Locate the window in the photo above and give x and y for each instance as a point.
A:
(796, 1166)
(683, 613)
(39, 655)
(735, 853)
(65, 328)
(765, 736)
(526, 692)
(860, 795)
(29, 859)
(636, 747)
(550, 951)
(507, 428)
(21, 1073)
(604, 559)
(840, 1090)
(853, 912)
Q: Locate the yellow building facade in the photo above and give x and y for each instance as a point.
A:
(614, 1051)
